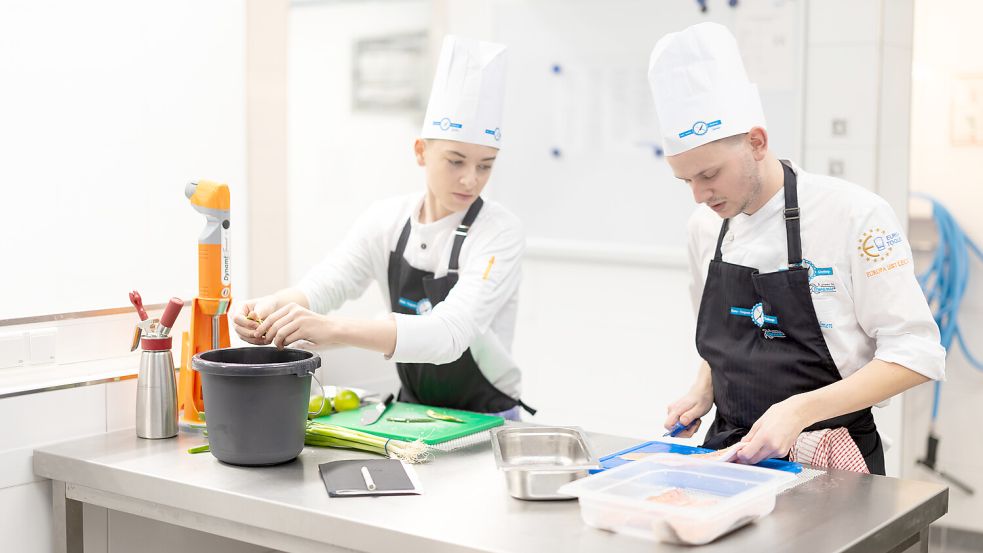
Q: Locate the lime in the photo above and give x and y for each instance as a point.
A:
(319, 406)
(346, 400)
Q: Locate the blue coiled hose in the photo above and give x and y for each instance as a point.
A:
(944, 283)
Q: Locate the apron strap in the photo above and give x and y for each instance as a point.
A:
(396, 280)
(792, 226)
(404, 237)
(528, 409)
(720, 240)
(459, 234)
(462, 232)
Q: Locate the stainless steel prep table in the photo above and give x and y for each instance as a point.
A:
(465, 506)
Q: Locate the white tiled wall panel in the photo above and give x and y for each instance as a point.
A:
(121, 399)
(856, 165)
(837, 22)
(36, 419)
(25, 517)
(841, 84)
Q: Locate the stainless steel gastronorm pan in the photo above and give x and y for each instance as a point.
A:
(537, 460)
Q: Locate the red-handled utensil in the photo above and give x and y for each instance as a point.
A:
(170, 314)
(137, 302)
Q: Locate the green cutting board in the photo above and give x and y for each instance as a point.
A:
(435, 432)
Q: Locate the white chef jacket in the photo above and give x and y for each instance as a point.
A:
(479, 312)
(862, 279)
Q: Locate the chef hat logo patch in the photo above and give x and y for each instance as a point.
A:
(446, 124)
(700, 128)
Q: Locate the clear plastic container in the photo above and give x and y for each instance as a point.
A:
(677, 499)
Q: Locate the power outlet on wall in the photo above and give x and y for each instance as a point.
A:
(42, 345)
(13, 349)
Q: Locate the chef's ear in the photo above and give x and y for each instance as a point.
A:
(757, 138)
(419, 147)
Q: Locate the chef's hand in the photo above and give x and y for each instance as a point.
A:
(774, 434)
(292, 323)
(250, 315)
(688, 409)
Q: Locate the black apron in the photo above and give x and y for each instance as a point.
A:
(459, 384)
(761, 337)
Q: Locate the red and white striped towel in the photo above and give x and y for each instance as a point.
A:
(829, 448)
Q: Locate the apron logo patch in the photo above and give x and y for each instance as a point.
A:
(756, 314)
(421, 307)
(771, 334)
(815, 271)
(822, 288)
(876, 244)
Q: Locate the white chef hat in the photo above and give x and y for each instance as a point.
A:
(468, 93)
(700, 88)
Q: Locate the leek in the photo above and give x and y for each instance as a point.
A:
(329, 435)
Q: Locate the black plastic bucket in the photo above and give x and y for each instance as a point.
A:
(256, 402)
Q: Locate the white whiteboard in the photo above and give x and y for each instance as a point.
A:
(107, 110)
(577, 83)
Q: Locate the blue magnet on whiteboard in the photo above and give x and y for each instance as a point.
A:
(556, 152)
(557, 69)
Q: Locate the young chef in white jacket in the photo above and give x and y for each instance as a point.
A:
(447, 261)
(809, 312)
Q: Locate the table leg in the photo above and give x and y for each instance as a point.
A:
(923, 540)
(916, 543)
(66, 520)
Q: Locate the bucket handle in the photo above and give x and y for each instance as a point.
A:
(323, 399)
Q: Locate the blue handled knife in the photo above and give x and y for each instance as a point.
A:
(676, 429)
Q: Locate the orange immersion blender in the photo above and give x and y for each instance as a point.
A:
(209, 322)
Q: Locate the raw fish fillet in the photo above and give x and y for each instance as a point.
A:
(724, 455)
(636, 456)
(680, 498)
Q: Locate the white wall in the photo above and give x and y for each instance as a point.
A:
(266, 141)
(340, 160)
(25, 500)
(109, 109)
(946, 50)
